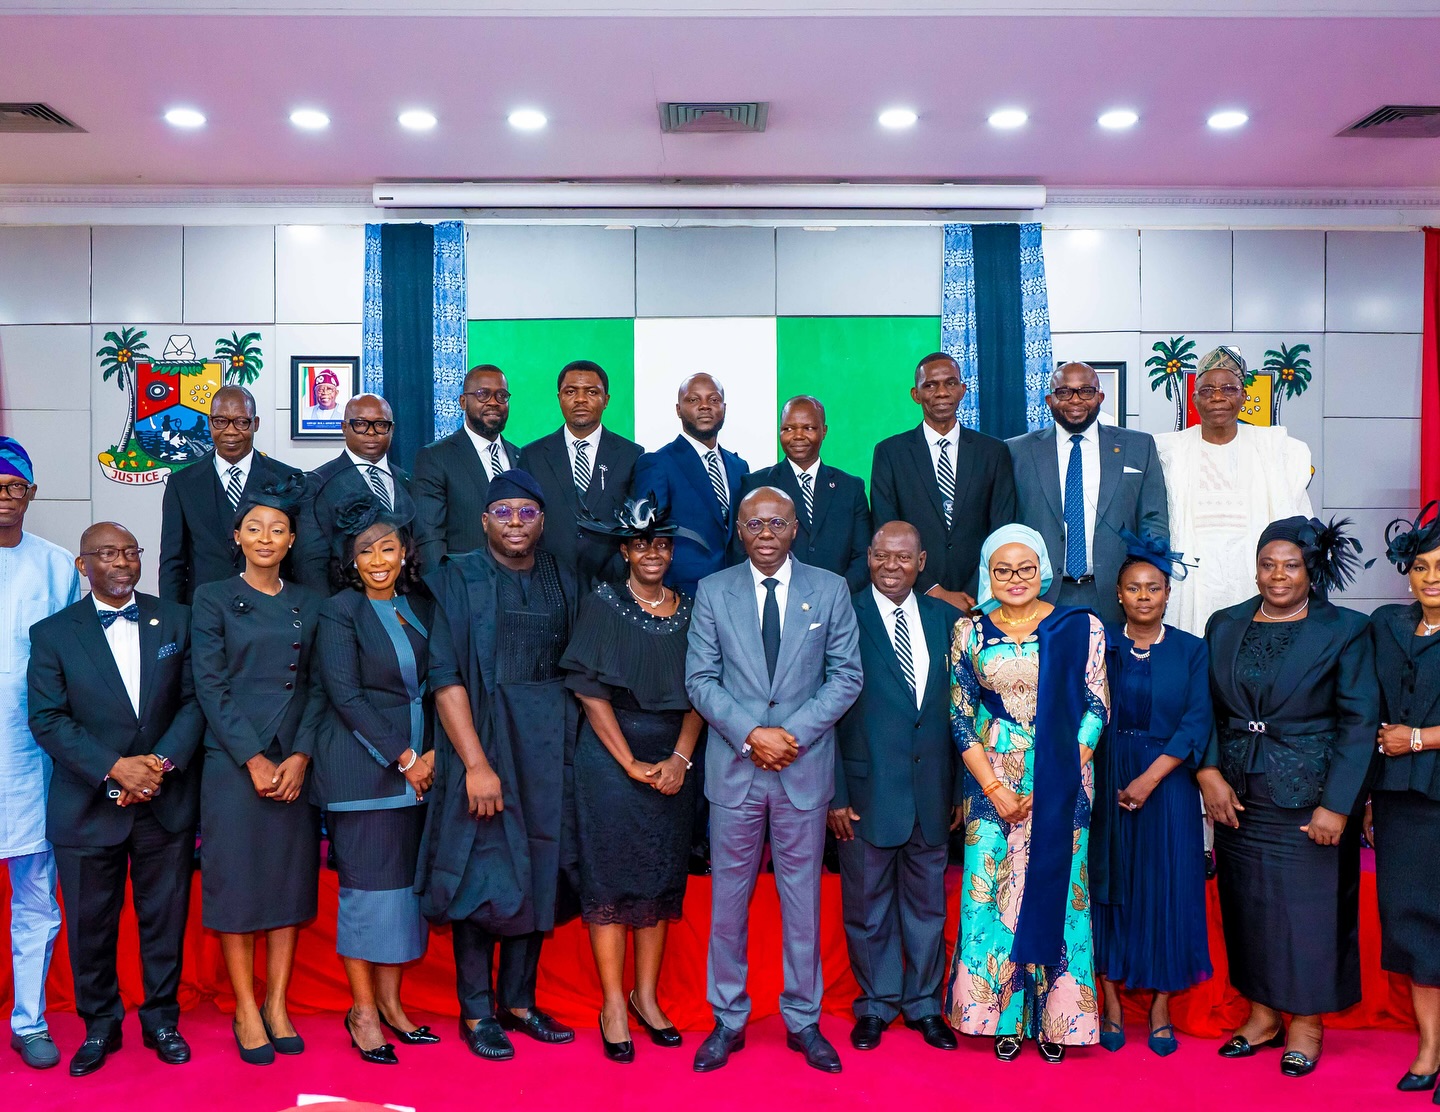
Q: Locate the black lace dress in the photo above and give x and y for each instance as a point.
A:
(634, 841)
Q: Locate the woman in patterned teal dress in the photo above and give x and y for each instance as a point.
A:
(1028, 704)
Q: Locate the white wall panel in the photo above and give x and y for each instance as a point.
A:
(705, 272)
(538, 272)
(62, 523)
(1372, 374)
(138, 273)
(1374, 281)
(1185, 281)
(1093, 278)
(1371, 462)
(44, 275)
(55, 439)
(1380, 580)
(1279, 281)
(45, 366)
(229, 275)
(858, 272)
(319, 273)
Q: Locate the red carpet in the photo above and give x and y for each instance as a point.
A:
(1358, 1071)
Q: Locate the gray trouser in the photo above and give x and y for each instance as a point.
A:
(797, 843)
(894, 901)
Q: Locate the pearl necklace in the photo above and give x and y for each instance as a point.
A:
(1136, 653)
(641, 599)
(1284, 617)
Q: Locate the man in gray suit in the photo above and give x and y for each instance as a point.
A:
(1078, 483)
(773, 662)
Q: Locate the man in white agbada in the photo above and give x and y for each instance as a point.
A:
(37, 578)
(1225, 482)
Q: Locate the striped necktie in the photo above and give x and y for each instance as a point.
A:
(582, 466)
(717, 481)
(377, 484)
(807, 496)
(945, 478)
(903, 652)
(496, 466)
(234, 486)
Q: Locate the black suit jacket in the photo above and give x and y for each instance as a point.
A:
(588, 557)
(197, 538)
(838, 537)
(680, 483)
(897, 764)
(81, 715)
(1329, 673)
(1408, 668)
(903, 488)
(327, 488)
(449, 491)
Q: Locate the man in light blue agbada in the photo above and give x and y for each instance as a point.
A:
(37, 579)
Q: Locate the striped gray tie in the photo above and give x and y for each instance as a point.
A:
(945, 477)
(903, 652)
(807, 495)
(717, 480)
(234, 486)
(496, 466)
(377, 484)
(582, 466)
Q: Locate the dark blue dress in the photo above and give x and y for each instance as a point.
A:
(1147, 866)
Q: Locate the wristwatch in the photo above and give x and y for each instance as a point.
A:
(1415, 743)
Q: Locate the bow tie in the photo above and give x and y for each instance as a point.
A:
(130, 613)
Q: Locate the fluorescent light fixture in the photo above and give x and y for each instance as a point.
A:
(184, 117)
(527, 119)
(417, 119)
(665, 195)
(898, 118)
(1117, 119)
(311, 119)
(1008, 118)
(1228, 120)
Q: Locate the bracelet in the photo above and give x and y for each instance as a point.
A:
(413, 759)
(683, 757)
(994, 787)
(1415, 743)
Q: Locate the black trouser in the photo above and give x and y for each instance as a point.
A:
(92, 880)
(474, 965)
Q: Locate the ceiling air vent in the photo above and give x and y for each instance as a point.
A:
(1398, 121)
(696, 118)
(34, 119)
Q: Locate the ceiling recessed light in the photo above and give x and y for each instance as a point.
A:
(1008, 118)
(898, 118)
(417, 119)
(1118, 119)
(311, 119)
(527, 119)
(184, 117)
(1225, 121)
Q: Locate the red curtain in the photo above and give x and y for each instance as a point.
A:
(570, 990)
(1430, 371)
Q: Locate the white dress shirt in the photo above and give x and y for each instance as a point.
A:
(591, 454)
(124, 640)
(482, 449)
(222, 468)
(919, 651)
(932, 441)
(703, 451)
(383, 464)
(1090, 474)
(782, 590)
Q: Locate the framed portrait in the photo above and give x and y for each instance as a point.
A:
(320, 387)
(1111, 373)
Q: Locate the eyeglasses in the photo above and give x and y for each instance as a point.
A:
(503, 513)
(757, 525)
(16, 490)
(1024, 573)
(109, 554)
(484, 394)
(242, 424)
(360, 425)
(1227, 391)
(1084, 393)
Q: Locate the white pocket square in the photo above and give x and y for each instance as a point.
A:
(1132, 470)
(815, 625)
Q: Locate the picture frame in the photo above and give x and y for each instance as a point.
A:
(1111, 373)
(320, 388)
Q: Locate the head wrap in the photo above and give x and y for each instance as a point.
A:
(1223, 358)
(355, 517)
(1011, 534)
(284, 495)
(1157, 552)
(327, 376)
(15, 460)
(637, 518)
(514, 484)
(1332, 556)
(1406, 540)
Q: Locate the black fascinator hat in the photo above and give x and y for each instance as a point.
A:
(284, 495)
(1156, 551)
(1332, 555)
(1407, 540)
(638, 517)
(356, 516)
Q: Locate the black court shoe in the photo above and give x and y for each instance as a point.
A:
(421, 1036)
(1007, 1047)
(283, 1044)
(616, 1051)
(1416, 1082)
(256, 1055)
(660, 1036)
(382, 1055)
(1238, 1046)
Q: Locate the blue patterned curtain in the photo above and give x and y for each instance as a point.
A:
(1035, 313)
(372, 339)
(450, 313)
(957, 317)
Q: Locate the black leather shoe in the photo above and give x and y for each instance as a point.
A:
(283, 1044)
(487, 1040)
(867, 1032)
(1416, 1082)
(1007, 1047)
(616, 1051)
(1238, 1046)
(660, 1036)
(1295, 1064)
(719, 1044)
(38, 1051)
(1052, 1052)
(934, 1030)
(382, 1055)
(421, 1036)
(92, 1053)
(168, 1045)
(262, 1055)
(537, 1025)
(819, 1054)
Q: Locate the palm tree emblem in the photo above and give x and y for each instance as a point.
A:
(241, 356)
(1168, 367)
(1291, 371)
(117, 357)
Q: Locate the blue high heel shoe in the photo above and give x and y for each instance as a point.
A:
(1112, 1039)
(1164, 1045)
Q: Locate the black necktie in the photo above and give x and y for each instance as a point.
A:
(807, 497)
(903, 652)
(582, 467)
(377, 484)
(234, 486)
(108, 618)
(770, 625)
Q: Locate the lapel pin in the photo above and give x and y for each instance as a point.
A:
(804, 606)
(1116, 449)
(832, 486)
(154, 621)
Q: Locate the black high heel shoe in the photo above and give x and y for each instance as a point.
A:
(1417, 1082)
(382, 1055)
(254, 1056)
(286, 1044)
(421, 1036)
(616, 1051)
(660, 1036)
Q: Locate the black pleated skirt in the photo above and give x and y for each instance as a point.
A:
(1291, 908)
(1407, 850)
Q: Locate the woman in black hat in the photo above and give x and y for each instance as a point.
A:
(1297, 707)
(260, 849)
(634, 795)
(1404, 817)
(374, 763)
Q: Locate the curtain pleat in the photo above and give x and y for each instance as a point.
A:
(999, 333)
(407, 279)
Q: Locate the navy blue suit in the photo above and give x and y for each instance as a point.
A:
(680, 483)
